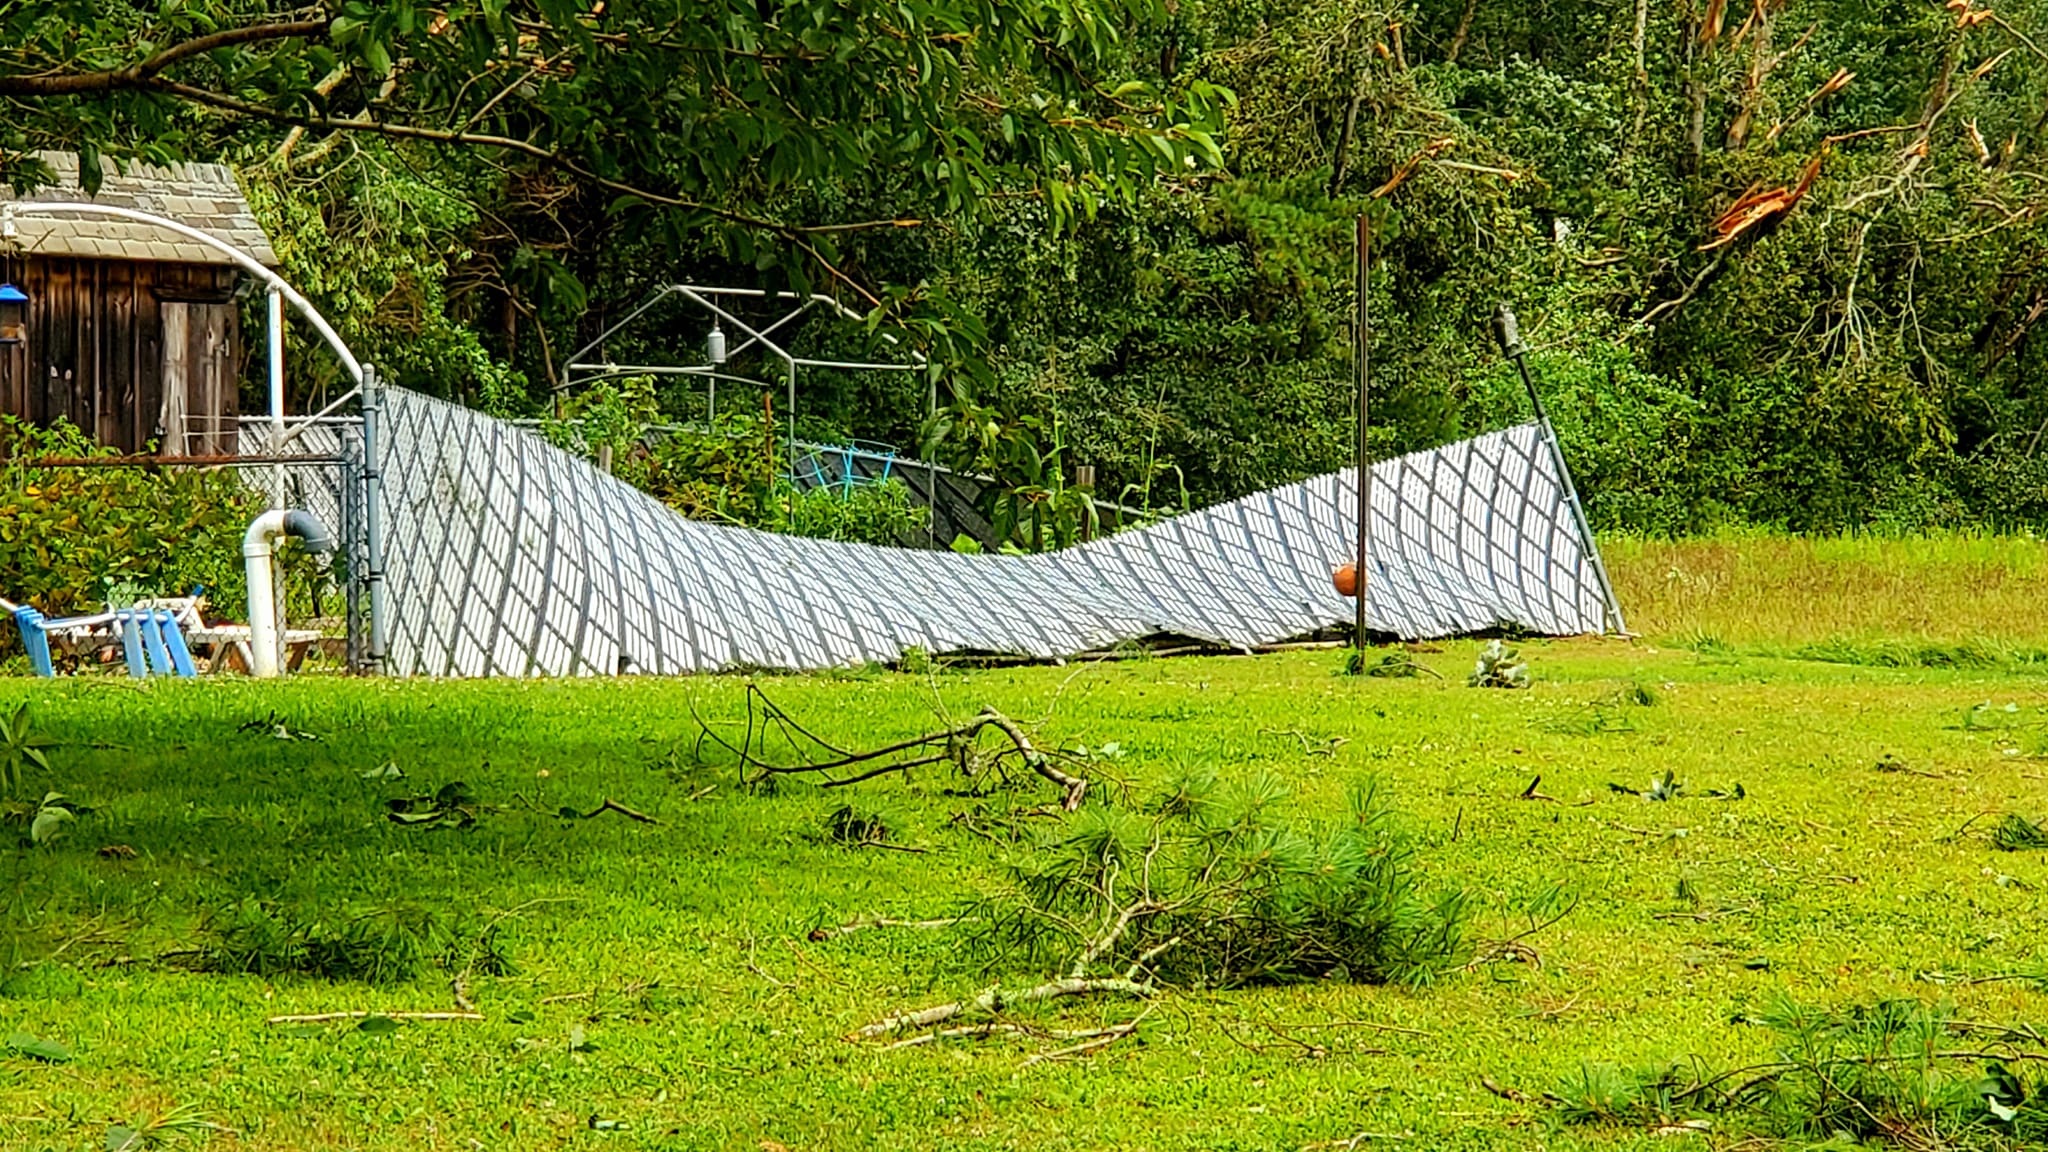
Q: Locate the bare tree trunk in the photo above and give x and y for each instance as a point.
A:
(1345, 135)
(1637, 43)
(1464, 31)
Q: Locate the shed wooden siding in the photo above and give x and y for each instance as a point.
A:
(95, 350)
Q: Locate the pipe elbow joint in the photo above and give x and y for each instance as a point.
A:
(261, 538)
(313, 535)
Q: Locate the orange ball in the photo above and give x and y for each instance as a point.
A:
(1346, 580)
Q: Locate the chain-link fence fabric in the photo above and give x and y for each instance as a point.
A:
(505, 556)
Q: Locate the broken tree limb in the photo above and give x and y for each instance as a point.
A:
(330, 1017)
(1074, 786)
(611, 805)
(852, 926)
(837, 767)
(1000, 1028)
(995, 1000)
(1102, 1039)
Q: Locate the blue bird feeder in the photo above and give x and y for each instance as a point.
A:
(13, 314)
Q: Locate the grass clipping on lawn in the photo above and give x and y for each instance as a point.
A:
(1203, 886)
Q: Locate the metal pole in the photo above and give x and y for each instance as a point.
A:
(373, 499)
(1510, 334)
(241, 259)
(350, 473)
(1360, 367)
(791, 417)
(275, 340)
(931, 466)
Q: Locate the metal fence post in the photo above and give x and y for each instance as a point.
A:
(373, 500)
(1361, 370)
(350, 499)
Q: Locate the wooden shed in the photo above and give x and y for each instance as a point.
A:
(133, 331)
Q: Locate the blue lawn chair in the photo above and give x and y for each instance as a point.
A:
(150, 638)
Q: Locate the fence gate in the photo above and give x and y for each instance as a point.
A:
(320, 469)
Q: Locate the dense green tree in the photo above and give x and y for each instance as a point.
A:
(1048, 195)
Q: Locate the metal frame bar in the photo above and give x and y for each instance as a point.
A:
(703, 296)
(239, 258)
(1511, 343)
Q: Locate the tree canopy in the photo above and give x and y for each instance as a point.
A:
(1781, 260)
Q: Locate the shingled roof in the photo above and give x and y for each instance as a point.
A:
(203, 196)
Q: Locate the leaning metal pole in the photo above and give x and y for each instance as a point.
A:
(1361, 330)
(1510, 334)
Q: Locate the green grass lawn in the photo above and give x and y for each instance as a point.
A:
(663, 991)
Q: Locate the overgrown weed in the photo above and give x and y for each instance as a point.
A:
(373, 944)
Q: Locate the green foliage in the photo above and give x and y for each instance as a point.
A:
(1029, 502)
(47, 1051)
(734, 473)
(764, 138)
(452, 805)
(20, 749)
(52, 818)
(71, 536)
(1498, 666)
(381, 249)
(1039, 193)
(1894, 1073)
(377, 944)
(1208, 885)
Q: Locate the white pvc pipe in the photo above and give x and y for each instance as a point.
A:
(266, 605)
(259, 559)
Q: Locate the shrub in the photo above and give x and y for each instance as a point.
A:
(733, 473)
(72, 538)
(1206, 886)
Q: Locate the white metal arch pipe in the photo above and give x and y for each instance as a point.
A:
(259, 560)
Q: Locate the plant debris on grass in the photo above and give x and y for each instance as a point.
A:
(2016, 833)
(1891, 1073)
(1499, 666)
(1293, 941)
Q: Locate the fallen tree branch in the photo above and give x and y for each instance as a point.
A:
(816, 756)
(1102, 1039)
(330, 1017)
(852, 926)
(1668, 307)
(995, 1000)
(1074, 786)
(611, 805)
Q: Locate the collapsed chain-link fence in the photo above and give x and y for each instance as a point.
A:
(505, 556)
